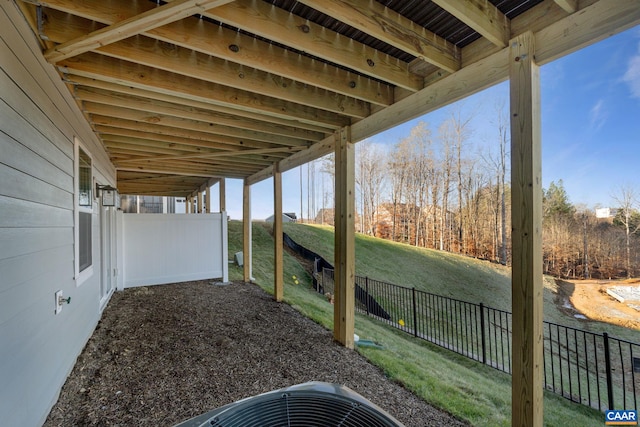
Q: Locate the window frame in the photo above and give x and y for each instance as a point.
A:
(81, 276)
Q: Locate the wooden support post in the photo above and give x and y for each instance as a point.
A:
(207, 202)
(526, 219)
(188, 205)
(200, 202)
(343, 309)
(223, 200)
(278, 269)
(246, 230)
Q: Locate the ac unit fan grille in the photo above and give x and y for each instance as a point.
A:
(312, 404)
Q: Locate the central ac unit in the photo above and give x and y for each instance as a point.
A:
(305, 405)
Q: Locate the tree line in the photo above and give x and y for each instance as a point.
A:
(437, 190)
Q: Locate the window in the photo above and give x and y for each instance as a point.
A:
(83, 215)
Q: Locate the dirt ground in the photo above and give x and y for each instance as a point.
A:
(163, 354)
(590, 298)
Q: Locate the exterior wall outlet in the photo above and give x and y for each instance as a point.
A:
(58, 302)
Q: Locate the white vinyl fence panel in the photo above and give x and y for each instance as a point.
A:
(167, 248)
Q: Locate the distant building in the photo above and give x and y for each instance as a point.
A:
(147, 204)
(404, 213)
(604, 213)
(326, 216)
(286, 217)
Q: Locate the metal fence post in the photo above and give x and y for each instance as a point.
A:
(607, 364)
(366, 288)
(415, 314)
(482, 334)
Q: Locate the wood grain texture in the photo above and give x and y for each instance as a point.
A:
(278, 265)
(344, 278)
(126, 73)
(246, 231)
(306, 36)
(526, 219)
(482, 16)
(252, 54)
(146, 21)
(222, 193)
(392, 28)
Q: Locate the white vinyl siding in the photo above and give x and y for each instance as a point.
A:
(39, 122)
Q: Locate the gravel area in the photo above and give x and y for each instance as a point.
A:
(163, 354)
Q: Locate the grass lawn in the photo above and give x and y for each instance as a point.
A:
(467, 389)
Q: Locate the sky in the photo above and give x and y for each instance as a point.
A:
(590, 129)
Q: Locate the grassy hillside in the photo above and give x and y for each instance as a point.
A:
(424, 269)
(442, 273)
(470, 391)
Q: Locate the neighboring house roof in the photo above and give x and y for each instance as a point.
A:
(286, 217)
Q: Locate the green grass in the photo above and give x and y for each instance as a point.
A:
(441, 273)
(468, 390)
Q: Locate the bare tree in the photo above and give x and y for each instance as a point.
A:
(627, 200)
(446, 137)
(398, 165)
(460, 132)
(583, 214)
(499, 164)
(371, 173)
(328, 167)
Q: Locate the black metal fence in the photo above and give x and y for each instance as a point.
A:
(596, 370)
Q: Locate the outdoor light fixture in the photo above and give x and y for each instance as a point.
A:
(109, 194)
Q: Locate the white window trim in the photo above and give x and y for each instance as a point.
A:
(80, 276)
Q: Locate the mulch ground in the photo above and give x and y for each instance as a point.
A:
(163, 354)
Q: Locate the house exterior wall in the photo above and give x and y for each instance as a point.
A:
(39, 122)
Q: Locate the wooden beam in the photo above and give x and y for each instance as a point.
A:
(454, 87)
(115, 104)
(169, 171)
(152, 53)
(200, 202)
(344, 278)
(261, 175)
(482, 16)
(183, 136)
(568, 6)
(526, 220)
(277, 126)
(126, 73)
(280, 65)
(109, 114)
(278, 266)
(193, 168)
(390, 27)
(246, 231)
(146, 21)
(222, 193)
(273, 23)
(207, 202)
(317, 150)
(184, 143)
(123, 158)
(210, 155)
(593, 23)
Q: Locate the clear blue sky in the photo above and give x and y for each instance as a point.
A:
(590, 128)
